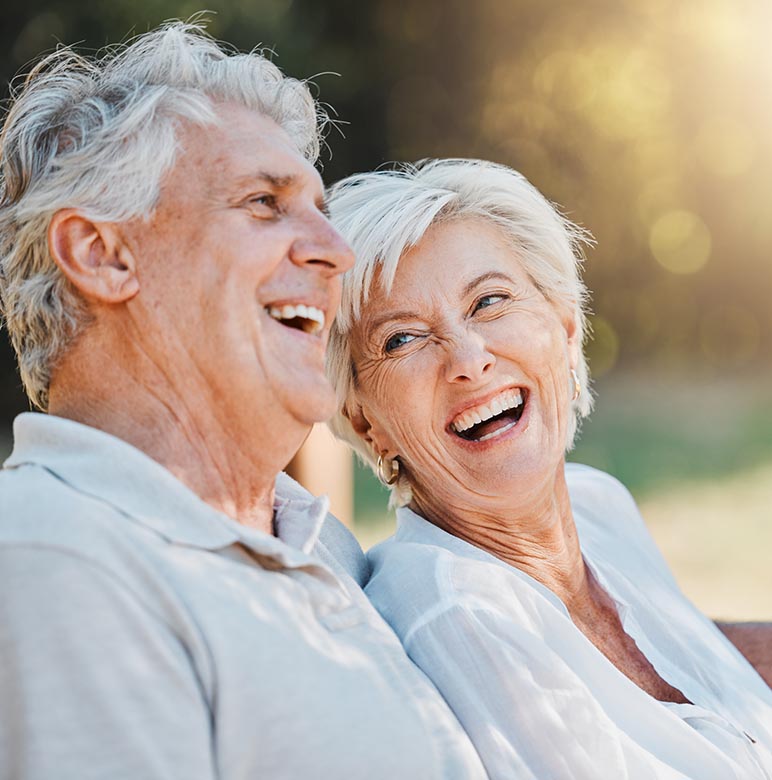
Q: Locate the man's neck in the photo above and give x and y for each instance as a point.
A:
(209, 450)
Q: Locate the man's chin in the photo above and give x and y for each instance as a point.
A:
(314, 407)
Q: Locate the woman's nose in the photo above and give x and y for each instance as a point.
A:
(468, 359)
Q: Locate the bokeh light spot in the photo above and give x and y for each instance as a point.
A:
(680, 241)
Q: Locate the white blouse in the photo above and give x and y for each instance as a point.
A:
(538, 699)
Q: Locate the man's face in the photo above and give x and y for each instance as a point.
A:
(239, 272)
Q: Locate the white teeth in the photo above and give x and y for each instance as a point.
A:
(314, 316)
(508, 399)
(498, 432)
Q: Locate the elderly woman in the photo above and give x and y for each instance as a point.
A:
(529, 591)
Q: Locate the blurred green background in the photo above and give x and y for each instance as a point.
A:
(650, 123)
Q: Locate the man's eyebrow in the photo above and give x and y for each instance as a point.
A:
(486, 277)
(277, 181)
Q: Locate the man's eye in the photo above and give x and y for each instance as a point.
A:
(487, 300)
(263, 201)
(397, 340)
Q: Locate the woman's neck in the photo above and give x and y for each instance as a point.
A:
(538, 536)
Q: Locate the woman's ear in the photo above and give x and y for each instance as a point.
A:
(354, 413)
(369, 432)
(573, 342)
(93, 257)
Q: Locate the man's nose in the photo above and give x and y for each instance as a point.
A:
(468, 358)
(320, 244)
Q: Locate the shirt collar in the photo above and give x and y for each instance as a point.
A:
(109, 469)
(412, 527)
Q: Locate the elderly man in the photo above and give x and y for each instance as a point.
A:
(169, 277)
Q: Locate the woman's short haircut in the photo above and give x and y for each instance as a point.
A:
(97, 134)
(384, 213)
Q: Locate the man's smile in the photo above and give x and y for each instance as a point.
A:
(307, 318)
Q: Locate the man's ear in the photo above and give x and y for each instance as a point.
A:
(93, 257)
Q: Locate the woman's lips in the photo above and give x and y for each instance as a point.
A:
(507, 399)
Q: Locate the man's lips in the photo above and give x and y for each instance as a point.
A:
(300, 316)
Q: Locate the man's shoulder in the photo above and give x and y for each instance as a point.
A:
(33, 502)
(38, 509)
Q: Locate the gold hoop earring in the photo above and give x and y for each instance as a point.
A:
(577, 386)
(393, 468)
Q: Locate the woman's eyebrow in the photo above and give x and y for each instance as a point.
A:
(408, 314)
(377, 322)
(486, 277)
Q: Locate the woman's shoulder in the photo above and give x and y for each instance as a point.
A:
(420, 575)
(421, 551)
(609, 522)
(586, 483)
(598, 498)
(417, 563)
(408, 580)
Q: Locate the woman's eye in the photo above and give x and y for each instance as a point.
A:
(397, 340)
(487, 300)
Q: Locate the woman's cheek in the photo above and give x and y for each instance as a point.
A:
(386, 389)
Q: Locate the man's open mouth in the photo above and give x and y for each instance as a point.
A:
(493, 418)
(309, 319)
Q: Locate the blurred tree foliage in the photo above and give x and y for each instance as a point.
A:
(648, 121)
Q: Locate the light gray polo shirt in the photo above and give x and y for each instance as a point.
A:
(144, 635)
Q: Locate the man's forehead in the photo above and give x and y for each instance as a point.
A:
(245, 145)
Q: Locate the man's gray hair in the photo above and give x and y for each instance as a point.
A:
(385, 213)
(97, 134)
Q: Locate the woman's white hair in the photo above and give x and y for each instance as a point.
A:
(385, 213)
(97, 134)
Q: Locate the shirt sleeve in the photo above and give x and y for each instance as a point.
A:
(92, 683)
(528, 714)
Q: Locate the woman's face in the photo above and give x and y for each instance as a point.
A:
(463, 372)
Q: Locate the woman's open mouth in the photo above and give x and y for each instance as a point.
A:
(492, 418)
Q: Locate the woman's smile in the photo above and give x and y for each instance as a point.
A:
(490, 418)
